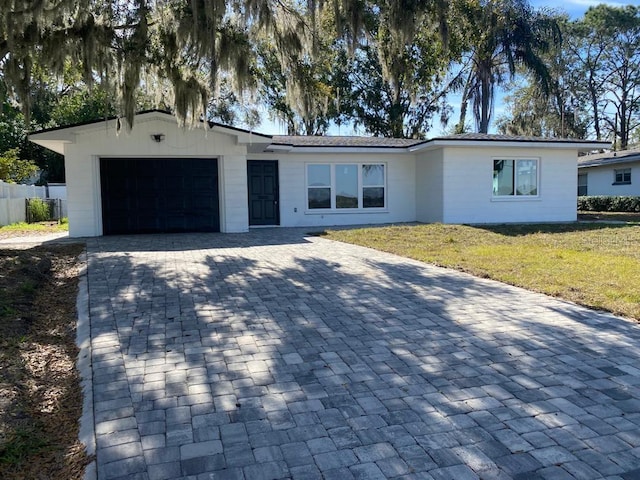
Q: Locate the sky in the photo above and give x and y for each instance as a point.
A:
(575, 9)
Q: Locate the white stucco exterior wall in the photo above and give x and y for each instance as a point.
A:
(400, 189)
(468, 180)
(445, 180)
(429, 191)
(232, 187)
(82, 164)
(600, 180)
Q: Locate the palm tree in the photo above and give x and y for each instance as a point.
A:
(503, 35)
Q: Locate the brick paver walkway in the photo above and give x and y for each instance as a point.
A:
(274, 355)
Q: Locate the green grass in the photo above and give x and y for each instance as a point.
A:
(22, 443)
(52, 227)
(596, 265)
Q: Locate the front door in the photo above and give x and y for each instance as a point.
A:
(262, 180)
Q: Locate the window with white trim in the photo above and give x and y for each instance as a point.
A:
(516, 177)
(319, 186)
(346, 186)
(622, 176)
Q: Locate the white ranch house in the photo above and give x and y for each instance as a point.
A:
(160, 177)
(612, 173)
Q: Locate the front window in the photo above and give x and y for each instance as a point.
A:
(319, 186)
(346, 186)
(515, 177)
(622, 176)
(373, 186)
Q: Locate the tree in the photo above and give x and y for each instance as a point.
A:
(120, 43)
(15, 170)
(534, 114)
(558, 112)
(618, 69)
(302, 92)
(397, 81)
(184, 48)
(502, 35)
(53, 104)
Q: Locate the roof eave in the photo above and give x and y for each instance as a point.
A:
(54, 141)
(333, 149)
(581, 146)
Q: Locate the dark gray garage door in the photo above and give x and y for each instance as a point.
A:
(159, 195)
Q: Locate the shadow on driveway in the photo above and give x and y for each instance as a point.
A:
(274, 355)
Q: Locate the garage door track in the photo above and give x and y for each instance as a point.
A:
(275, 355)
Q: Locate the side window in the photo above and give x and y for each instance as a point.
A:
(582, 184)
(515, 177)
(622, 176)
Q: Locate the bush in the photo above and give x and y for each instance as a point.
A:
(38, 210)
(602, 203)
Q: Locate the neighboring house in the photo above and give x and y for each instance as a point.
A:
(163, 178)
(612, 173)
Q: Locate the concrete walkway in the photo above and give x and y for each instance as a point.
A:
(273, 355)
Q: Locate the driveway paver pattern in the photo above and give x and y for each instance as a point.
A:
(274, 355)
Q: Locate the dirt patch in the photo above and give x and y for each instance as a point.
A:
(609, 217)
(40, 395)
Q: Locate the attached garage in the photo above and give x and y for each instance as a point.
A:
(144, 195)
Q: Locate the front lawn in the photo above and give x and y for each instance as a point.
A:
(597, 265)
(23, 229)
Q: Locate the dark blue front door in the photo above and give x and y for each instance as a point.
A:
(262, 181)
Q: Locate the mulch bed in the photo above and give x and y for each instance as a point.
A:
(40, 395)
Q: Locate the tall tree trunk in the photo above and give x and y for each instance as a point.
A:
(624, 108)
(485, 106)
(463, 114)
(464, 104)
(396, 120)
(593, 95)
(624, 128)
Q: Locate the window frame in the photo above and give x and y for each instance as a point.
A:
(623, 172)
(515, 196)
(334, 208)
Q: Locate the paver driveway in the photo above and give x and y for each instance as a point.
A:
(274, 355)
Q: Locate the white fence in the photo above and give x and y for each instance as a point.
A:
(57, 190)
(12, 201)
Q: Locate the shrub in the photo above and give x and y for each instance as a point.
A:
(38, 210)
(603, 203)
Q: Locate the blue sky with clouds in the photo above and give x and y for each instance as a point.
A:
(576, 8)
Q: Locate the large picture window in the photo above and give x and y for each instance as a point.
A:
(346, 186)
(515, 177)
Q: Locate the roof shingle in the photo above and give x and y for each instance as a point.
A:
(343, 141)
(609, 158)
